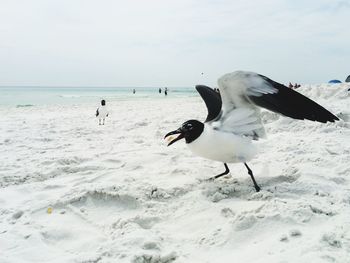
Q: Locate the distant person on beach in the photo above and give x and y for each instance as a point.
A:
(296, 86)
(290, 85)
(133, 91)
(102, 113)
(160, 90)
(166, 91)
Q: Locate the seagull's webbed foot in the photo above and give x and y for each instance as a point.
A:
(219, 175)
(256, 186)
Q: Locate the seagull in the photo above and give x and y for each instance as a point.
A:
(234, 121)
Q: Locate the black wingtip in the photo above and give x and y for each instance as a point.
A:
(293, 104)
(212, 100)
(333, 118)
(201, 88)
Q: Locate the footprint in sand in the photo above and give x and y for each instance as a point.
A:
(105, 208)
(80, 224)
(156, 258)
(246, 222)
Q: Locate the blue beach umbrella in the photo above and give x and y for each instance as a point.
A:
(334, 81)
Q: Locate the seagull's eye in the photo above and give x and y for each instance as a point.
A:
(188, 126)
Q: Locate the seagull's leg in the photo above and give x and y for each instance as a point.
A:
(222, 174)
(257, 188)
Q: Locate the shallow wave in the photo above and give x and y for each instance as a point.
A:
(76, 96)
(24, 105)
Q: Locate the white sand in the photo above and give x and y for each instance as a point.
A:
(118, 194)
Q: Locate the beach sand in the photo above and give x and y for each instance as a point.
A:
(74, 191)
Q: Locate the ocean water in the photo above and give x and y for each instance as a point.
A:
(38, 96)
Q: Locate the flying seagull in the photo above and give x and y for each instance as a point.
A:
(234, 121)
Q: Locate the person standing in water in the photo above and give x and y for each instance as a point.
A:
(102, 113)
(166, 91)
(160, 90)
(134, 91)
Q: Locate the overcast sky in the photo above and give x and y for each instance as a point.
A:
(171, 43)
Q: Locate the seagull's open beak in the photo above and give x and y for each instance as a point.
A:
(171, 139)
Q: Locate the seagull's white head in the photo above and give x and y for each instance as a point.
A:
(190, 130)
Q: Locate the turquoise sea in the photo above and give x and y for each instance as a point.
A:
(37, 96)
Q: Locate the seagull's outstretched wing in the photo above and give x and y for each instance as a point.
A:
(212, 100)
(242, 92)
(240, 88)
(292, 104)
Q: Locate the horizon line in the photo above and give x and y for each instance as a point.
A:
(68, 86)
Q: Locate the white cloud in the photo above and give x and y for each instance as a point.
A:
(154, 42)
